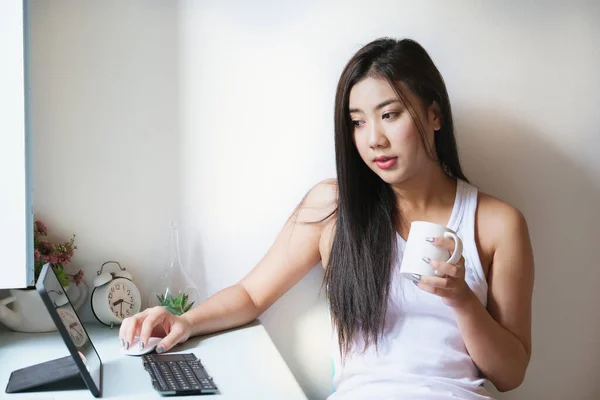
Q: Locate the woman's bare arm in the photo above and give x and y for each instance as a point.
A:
(499, 338)
(292, 255)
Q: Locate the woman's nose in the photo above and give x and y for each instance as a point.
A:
(377, 137)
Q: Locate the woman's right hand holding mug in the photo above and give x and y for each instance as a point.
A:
(155, 322)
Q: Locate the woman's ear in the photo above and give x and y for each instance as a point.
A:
(434, 116)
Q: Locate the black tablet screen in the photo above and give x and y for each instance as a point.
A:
(71, 329)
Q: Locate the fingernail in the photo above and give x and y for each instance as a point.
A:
(416, 283)
(126, 345)
(122, 343)
(429, 239)
(417, 277)
(426, 259)
(141, 345)
(160, 349)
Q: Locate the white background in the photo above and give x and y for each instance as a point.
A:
(13, 237)
(221, 114)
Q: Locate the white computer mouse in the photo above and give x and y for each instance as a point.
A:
(134, 348)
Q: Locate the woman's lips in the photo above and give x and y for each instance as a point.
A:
(386, 162)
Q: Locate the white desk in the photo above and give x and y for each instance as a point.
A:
(244, 364)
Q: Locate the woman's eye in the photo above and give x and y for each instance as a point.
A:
(390, 115)
(357, 123)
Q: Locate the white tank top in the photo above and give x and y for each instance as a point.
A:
(421, 353)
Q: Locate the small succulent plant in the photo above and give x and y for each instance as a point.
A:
(175, 305)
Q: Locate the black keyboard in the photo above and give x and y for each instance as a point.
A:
(178, 374)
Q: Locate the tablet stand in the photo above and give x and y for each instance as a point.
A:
(54, 375)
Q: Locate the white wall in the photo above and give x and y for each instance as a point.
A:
(222, 113)
(13, 190)
(105, 120)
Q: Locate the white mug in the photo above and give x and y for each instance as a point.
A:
(418, 248)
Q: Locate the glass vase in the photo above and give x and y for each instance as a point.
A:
(176, 291)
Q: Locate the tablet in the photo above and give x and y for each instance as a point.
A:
(72, 331)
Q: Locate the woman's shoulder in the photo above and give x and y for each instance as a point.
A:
(326, 190)
(497, 220)
(319, 207)
(320, 203)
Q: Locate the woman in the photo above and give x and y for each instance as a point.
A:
(397, 162)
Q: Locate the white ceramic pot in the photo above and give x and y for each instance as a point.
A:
(27, 312)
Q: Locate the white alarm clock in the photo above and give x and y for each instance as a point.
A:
(115, 296)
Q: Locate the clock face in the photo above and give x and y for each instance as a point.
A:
(123, 298)
(73, 327)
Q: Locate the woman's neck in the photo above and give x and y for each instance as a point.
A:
(422, 191)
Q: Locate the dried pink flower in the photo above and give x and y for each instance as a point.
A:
(41, 228)
(45, 246)
(45, 251)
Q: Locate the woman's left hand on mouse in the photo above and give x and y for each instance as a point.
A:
(155, 321)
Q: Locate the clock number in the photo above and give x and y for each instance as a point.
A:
(110, 295)
(116, 314)
(118, 286)
(131, 298)
(127, 312)
(112, 289)
(129, 293)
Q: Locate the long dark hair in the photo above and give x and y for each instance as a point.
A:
(357, 277)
